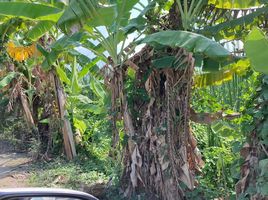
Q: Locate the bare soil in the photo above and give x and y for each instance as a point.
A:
(13, 168)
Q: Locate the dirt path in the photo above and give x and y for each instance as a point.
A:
(13, 170)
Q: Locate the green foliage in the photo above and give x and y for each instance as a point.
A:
(190, 41)
(12, 127)
(90, 12)
(60, 46)
(164, 62)
(61, 173)
(30, 11)
(139, 23)
(39, 30)
(189, 12)
(62, 75)
(221, 141)
(80, 12)
(219, 76)
(88, 101)
(7, 79)
(260, 115)
(232, 25)
(263, 177)
(235, 4)
(256, 47)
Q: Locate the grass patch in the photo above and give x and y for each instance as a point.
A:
(65, 174)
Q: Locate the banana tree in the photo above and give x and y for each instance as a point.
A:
(151, 90)
(40, 18)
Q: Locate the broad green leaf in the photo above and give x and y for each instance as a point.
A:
(50, 59)
(88, 67)
(82, 12)
(262, 179)
(8, 26)
(105, 17)
(223, 75)
(263, 132)
(7, 79)
(231, 24)
(44, 121)
(256, 48)
(139, 23)
(214, 78)
(80, 125)
(75, 86)
(210, 65)
(60, 46)
(164, 62)
(190, 41)
(32, 11)
(42, 50)
(263, 164)
(263, 188)
(67, 42)
(131, 73)
(39, 30)
(123, 8)
(234, 4)
(80, 99)
(97, 88)
(63, 76)
(89, 45)
(78, 13)
(94, 108)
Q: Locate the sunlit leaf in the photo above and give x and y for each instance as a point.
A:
(75, 86)
(231, 24)
(234, 4)
(62, 75)
(80, 125)
(32, 11)
(256, 48)
(190, 41)
(39, 30)
(223, 75)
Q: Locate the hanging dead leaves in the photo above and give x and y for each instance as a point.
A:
(161, 152)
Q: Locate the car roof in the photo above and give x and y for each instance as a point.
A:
(12, 192)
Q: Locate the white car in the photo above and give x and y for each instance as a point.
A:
(43, 194)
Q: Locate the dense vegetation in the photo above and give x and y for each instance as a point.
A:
(149, 99)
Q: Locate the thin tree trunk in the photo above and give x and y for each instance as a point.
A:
(27, 111)
(67, 132)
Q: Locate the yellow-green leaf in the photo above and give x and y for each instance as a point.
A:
(256, 48)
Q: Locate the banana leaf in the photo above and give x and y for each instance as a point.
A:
(192, 42)
(256, 48)
(32, 11)
(235, 4)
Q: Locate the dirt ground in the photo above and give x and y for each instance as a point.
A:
(13, 170)
(14, 181)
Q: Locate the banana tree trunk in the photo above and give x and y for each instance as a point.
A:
(67, 132)
(27, 111)
(161, 152)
